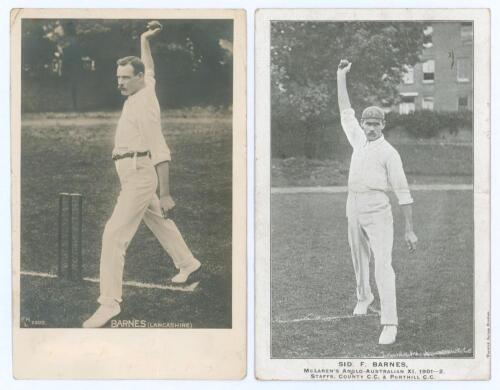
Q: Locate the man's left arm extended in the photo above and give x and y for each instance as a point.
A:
(410, 237)
(399, 184)
(166, 201)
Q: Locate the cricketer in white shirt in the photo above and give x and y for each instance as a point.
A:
(141, 158)
(139, 126)
(375, 169)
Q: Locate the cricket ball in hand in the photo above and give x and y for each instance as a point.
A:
(343, 64)
(154, 25)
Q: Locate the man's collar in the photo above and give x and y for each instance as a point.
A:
(378, 141)
(139, 90)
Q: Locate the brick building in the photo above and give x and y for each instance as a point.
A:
(442, 81)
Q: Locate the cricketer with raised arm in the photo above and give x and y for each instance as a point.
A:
(142, 159)
(375, 169)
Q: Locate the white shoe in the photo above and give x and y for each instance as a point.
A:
(184, 273)
(102, 315)
(388, 335)
(362, 306)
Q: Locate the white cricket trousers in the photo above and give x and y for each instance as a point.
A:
(370, 231)
(136, 202)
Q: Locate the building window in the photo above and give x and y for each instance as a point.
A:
(463, 70)
(428, 70)
(428, 37)
(408, 75)
(466, 32)
(428, 103)
(407, 105)
(463, 103)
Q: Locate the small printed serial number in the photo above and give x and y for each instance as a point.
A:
(29, 322)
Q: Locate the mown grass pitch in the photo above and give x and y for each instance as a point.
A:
(73, 154)
(313, 283)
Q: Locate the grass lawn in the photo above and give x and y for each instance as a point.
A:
(73, 154)
(313, 280)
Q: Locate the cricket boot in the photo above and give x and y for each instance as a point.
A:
(362, 306)
(185, 272)
(102, 315)
(388, 335)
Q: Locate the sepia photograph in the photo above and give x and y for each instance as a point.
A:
(372, 185)
(127, 134)
(98, 158)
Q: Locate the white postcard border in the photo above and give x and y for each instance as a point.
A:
(477, 368)
(136, 353)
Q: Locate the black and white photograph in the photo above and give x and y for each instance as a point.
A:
(373, 196)
(127, 134)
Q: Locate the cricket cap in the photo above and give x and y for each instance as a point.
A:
(373, 112)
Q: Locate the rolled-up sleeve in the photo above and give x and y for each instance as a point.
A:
(160, 151)
(397, 179)
(352, 129)
(150, 127)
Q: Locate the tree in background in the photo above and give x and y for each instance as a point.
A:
(304, 59)
(193, 59)
(68, 61)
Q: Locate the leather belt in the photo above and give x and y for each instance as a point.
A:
(131, 155)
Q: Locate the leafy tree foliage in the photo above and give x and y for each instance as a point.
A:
(304, 60)
(305, 55)
(193, 58)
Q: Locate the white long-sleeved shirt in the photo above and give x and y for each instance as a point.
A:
(139, 127)
(375, 165)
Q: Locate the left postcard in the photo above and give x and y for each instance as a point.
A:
(128, 144)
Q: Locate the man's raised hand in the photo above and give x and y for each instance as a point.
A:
(344, 66)
(154, 28)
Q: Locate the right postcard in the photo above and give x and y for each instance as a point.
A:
(372, 213)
